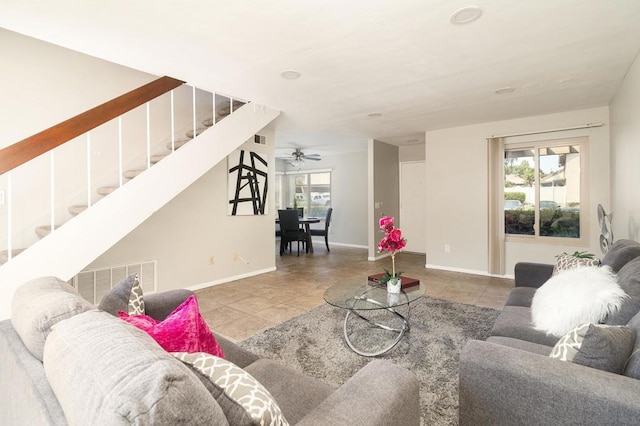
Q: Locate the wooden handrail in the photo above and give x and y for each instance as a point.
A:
(33, 146)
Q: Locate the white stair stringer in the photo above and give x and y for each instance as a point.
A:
(68, 250)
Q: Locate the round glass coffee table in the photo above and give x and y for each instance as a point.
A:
(361, 299)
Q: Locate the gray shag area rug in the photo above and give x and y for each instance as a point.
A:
(313, 343)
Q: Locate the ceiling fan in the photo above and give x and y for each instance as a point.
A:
(298, 156)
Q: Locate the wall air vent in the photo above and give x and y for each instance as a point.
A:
(260, 140)
(94, 284)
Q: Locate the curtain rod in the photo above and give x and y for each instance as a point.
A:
(585, 126)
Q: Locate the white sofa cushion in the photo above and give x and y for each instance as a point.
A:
(576, 297)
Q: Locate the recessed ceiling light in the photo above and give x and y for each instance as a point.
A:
(374, 114)
(290, 74)
(504, 90)
(466, 15)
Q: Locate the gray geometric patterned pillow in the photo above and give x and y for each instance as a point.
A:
(605, 347)
(565, 262)
(120, 297)
(136, 302)
(256, 403)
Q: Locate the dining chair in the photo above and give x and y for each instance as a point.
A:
(300, 210)
(290, 230)
(324, 232)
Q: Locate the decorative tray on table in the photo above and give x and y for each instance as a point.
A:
(406, 281)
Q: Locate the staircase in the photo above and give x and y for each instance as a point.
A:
(67, 250)
(44, 230)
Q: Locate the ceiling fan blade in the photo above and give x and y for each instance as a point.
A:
(312, 157)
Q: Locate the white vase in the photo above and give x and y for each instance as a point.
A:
(394, 285)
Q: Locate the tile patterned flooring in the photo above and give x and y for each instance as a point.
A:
(241, 308)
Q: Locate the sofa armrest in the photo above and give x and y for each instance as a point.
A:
(381, 393)
(529, 274)
(504, 385)
(159, 305)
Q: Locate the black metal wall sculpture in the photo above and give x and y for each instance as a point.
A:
(248, 183)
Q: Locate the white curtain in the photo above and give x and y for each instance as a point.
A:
(495, 185)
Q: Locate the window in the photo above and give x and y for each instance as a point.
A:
(309, 190)
(544, 193)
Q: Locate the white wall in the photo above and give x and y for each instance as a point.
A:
(456, 181)
(43, 84)
(193, 227)
(411, 153)
(625, 156)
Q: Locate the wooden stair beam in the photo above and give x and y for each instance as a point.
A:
(33, 146)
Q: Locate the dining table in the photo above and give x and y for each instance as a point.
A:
(306, 221)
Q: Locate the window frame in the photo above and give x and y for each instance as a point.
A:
(583, 240)
(286, 194)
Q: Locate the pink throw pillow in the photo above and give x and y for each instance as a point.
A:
(183, 330)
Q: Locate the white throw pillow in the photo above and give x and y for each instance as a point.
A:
(575, 297)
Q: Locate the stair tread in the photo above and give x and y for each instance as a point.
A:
(4, 255)
(157, 158)
(44, 230)
(199, 130)
(130, 174)
(77, 209)
(106, 190)
(178, 144)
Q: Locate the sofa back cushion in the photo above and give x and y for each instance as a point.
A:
(39, 304)
(621, 253)
(629, 280)
(632, 367)
(104, 371)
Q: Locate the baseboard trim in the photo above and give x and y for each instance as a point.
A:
(465, 271)
(321, 240)
(382, 256)
(229, 279)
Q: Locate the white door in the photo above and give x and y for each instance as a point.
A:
(412, 206)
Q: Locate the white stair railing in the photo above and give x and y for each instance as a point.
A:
(81, 171)
(67, 251)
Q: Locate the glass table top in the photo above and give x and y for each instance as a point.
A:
(361, 294)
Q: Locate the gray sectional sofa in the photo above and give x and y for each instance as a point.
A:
(63, 361)
(509, 379)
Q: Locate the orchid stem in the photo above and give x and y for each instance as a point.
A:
(393, 265)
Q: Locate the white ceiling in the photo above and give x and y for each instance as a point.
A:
(402, 58)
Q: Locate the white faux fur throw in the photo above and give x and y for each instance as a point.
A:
(575, 297)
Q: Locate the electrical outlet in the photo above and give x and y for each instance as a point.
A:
(447, 248)
(212, 260)
(235, 256)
